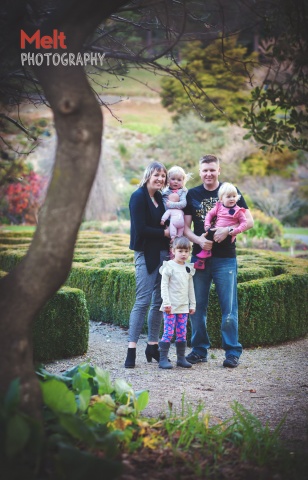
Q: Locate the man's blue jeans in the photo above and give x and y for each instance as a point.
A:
(223, 272)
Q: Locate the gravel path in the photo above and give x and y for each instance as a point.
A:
(270, 382)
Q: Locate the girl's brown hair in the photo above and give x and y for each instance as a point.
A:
(181, 242)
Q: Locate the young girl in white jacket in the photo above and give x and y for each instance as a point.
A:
(177, 291)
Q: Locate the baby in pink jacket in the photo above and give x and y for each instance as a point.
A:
(225, 214)
(176, 216)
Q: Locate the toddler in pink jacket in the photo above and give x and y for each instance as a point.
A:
(226, 213)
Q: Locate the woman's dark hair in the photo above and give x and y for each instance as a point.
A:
(151, 168)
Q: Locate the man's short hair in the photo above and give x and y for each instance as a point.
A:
(209, 159)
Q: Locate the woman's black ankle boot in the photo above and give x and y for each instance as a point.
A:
(130, 358)
(152, 352)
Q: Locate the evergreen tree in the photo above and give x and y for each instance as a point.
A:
(220, 70)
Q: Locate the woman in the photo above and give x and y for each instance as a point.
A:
(149, 240)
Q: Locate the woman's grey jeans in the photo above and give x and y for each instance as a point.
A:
(147, 295)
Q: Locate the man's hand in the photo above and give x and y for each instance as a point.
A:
(204, 243)
(220, 233)
(167, 309)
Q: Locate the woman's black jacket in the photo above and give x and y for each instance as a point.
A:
(146, 233)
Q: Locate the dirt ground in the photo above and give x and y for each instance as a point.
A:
(271, 382)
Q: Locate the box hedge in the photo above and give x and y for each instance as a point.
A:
(61, 330)
(272, 288)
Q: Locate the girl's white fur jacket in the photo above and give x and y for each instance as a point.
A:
(177, 287)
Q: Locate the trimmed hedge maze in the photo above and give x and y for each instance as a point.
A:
(272, 288)
(61, 330)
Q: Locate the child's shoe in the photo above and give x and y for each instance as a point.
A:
(199, 264)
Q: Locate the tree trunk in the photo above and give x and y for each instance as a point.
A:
(78, 122)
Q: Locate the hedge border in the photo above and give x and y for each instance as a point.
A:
(272, 290)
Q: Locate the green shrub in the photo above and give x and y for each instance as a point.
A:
(61, 330)
(272, 288)
(110, 293)
(2, 273)
(9, 258)
(18, 231)
(109, 290)
(271, 310)
(264, 226)
(14, 240)
(224, 82)
(176, 142)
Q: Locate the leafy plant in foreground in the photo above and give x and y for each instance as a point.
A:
(20, 438)
(241, 440)
(89, 422)
(86, 421)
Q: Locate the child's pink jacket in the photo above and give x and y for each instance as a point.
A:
(226, 219)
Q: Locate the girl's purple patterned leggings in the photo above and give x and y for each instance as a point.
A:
(179, 320)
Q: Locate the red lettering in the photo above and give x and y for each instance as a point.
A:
(55, 39)
(62, 37)
(24, 38)
(46, 42)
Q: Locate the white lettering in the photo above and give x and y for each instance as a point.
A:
(31, 59)
(93, 59)
(39, 58)
(23, 58)
(48, 55)
(64, 59)
(86, 58)
(71, 58)
(79, 59)
(56, 59)
(101, 57)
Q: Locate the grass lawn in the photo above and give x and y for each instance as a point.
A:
(296, 230)
(138, 82)
(139, 108)
(17, 228)
(143, 116)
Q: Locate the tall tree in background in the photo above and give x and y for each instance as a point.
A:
(221, 70)
(278, 114)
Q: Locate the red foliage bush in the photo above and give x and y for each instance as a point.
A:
(24, 198)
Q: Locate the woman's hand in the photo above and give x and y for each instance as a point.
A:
(167, 232)
(167, 309)
(191, 311)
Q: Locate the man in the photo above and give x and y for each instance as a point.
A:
(220, 267)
